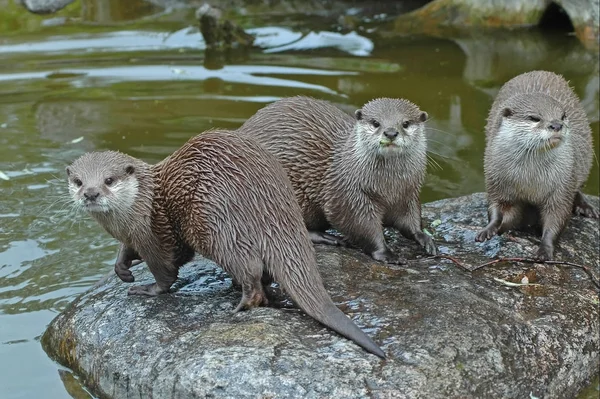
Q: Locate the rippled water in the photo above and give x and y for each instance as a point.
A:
(144, 88)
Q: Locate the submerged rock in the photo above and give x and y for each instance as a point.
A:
(447, 332)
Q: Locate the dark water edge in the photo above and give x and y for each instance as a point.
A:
(137, 80)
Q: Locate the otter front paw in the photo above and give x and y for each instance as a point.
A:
(486, 234)
(545, 253)
(586, 210)
(147, 290)
(426, 242)
(388, 256)
(318, 237)
(123, 272)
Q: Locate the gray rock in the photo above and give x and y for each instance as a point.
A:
(444, 18)
(45, 6)
(447, 332)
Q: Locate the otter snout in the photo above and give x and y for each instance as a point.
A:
(91, 194)
(555, 126)
(390, 133)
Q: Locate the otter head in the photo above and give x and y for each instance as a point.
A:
(534, 121)
(102, 182)
(389, 125)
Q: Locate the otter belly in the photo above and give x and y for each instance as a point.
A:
(532, 180)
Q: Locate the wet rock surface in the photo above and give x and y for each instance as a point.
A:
(447, 332)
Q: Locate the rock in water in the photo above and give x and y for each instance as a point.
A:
(45, 6)
(447, 332)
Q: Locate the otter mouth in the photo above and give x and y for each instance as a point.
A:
(388, 143)
(93, 206)
(552, 142)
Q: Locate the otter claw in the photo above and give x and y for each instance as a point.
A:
(388, 256)
(486, 234)
(544, 253)
(318, 237)
(123, 272)
(586, 211)
(427, 243)
(255, 299)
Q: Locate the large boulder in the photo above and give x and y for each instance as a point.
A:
(451, 17)
(447, 331)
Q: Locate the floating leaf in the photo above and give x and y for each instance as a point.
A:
(3, 176)
(77, 140)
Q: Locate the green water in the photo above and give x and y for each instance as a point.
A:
(110, 80)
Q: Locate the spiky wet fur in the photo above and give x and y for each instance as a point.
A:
(523, 169)
(223, 196)
(341, 174)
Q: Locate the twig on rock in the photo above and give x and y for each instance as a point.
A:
(454, 260)
(585, 268)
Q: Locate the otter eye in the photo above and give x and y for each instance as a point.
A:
(564, 116)
(405, 124)
(375, 123)
(533, 118)
(109, 181)
(77, 182)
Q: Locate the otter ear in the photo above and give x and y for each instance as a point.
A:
(423, 117)
(68, 170)
(358, 114)
(129, 170)
(506, 112)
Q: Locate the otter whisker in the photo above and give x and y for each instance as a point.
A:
(437, 154)
(433, 162)
(440, 130)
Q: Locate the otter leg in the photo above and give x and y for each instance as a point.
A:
(253, 295)
(124, 262)
(495, 217)
(319, 237)
(247, 272)
(554, 219)
(582, 207)
(164, 274)
(409, 225)
(366, 231)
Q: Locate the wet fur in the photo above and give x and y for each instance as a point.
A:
(522, 169)
(341, 175)
(224, 197)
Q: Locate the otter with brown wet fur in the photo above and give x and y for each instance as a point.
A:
(220, 195)
(354, 174)
(538, 155)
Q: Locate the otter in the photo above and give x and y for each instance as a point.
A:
(220, 195)
(538, 156)
(353, 174)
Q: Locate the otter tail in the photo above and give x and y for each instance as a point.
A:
(304, 285)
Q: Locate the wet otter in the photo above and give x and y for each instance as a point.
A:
(538, 155)
(353, 174)
(220, 195)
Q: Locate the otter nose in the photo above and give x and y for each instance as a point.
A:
(390, 133)
(91, 194)
(556, 126)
